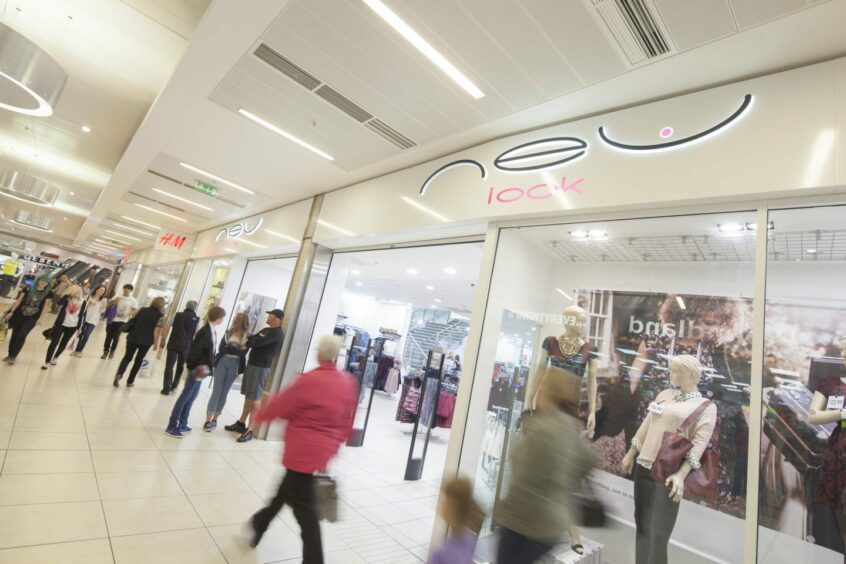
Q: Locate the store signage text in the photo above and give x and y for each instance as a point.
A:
(537, 192)
(171, 240)
(239, 229)
(43, 260)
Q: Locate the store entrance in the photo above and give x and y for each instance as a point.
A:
(404, 315)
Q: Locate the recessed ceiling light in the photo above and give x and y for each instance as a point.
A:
(283, 236)
(579, 234)
(154, 210)
(285, 134)
(730, 227)
(86, 129)
(430, 288)
(335, 227)
(355, 272)
(754, 226)
(437, 300)
(597, 233)
(412, 271)
(181, 199)
(216, 177)
(449, 270)
(138, 221)
(424, 47)
(810, 251)
(359, 284)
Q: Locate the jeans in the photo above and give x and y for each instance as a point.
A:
(173, 357)
(21, 326)
(58, 342)
(139, 352)
(182, 407)
(297, 491)
(225, 374)
(112, 336)
(655, 517)
(87, 328)
(515, 548)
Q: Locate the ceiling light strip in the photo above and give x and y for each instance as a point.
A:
(138, 221)
(216, 177)
(399, 25)
(181, 199)
(118, 234)
(285, 134)
(117, 225)
(154, 210)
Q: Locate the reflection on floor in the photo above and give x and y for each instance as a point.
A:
(88, 476)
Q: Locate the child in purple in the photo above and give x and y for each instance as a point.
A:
(464, 517)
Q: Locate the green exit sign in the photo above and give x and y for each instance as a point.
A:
(206, 188)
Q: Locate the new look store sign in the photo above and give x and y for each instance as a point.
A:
(760, 137)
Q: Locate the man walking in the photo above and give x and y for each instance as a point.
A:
(178, 343)
(126, 307)
(263, 348)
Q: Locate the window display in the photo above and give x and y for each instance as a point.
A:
(161, 282)
(264, 287)
(612, 308)
(802, 473)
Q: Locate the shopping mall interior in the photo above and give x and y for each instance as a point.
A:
(452, 282)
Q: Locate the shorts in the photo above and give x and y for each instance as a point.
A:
(255, 377)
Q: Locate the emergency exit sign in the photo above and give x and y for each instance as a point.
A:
(206, 188)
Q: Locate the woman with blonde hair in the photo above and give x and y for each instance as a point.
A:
(67, 323)
(230, 362)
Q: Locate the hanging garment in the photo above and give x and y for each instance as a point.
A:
(392, 382)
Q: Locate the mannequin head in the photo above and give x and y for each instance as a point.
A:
(575, 321)
(685, 372)
(843, 348)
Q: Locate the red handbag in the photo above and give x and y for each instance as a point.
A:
(700, 484)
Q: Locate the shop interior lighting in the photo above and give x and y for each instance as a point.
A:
(563, 293)
(121, 236)
(335, 227)
(412, 271)
(449, 270)
(216, 177)
(425, 48)
(154, 210)
(810, 251)
(680, 301)
(730, 227)
(138, 221)
(754, 226)
(425, 209)
(579, 234)
(597, 234)
(86, 129)
(275, 129)
(181, 199)
(282, 236)
(38, 75)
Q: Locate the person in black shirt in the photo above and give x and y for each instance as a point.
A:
(144, 332)
(263, 346)
(200, 361)
(179, 342)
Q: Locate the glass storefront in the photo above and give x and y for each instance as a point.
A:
(161, 281)
(264, 287)
(206, 283)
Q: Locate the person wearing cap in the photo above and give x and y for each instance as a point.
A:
(263, 346)
(182, 331)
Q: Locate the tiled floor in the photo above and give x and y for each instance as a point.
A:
(88, 477)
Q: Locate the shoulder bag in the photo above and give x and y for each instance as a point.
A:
(700, 484)
(326, 494)
(129, 325)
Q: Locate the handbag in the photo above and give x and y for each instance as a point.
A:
(128, 326)
(48, 333)
(326, 494)
(700, 484)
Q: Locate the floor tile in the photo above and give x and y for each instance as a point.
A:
(128, 485)
(20, 489)
(36, 409)
(44, 523)
(73, 424)
(175, 547)
(120, 441)
(227, 508)
(211, 481)
(149, 515)
(81, 552)
(32, 440)
(128, 461)
(278, 543)
(195, 460)
(5, 439)
(47, 461)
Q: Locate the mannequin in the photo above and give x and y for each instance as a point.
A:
(570, 352)
(828, 407)
(657, 505)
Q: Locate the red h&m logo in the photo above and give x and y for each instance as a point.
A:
(171, 239)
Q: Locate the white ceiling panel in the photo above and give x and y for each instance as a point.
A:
(750, 13)
(694, 22)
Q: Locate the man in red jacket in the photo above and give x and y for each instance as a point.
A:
(319, 408)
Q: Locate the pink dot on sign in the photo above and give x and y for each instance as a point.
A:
(666, 132)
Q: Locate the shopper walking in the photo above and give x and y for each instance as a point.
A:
(125, 307)
(549, 462)
(263, 348)
(144, 332)
(200, 361)
(182, 332)
(66, 324)
(95, 307)
(26, 312)
(59, 288)
(319, 408)
(231, 357)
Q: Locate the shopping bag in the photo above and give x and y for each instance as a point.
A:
(326, 493)
(4, 328)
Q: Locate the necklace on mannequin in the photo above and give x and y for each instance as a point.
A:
(569, 346)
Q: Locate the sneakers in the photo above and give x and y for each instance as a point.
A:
(104, 355)
(112, 354)
(9, 360)
(237, 427)
(255, 536)
(246, 437)
(53, 362)
(175, 433)
(45, 366)
(185, 429)
(130, 384)
(209, 426)
(116, 382)
(165, 392)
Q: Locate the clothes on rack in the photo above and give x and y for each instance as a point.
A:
(446, 409)
(403, 415)
(386, 363)
(392, 382)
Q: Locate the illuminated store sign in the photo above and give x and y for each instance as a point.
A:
(554, 152)
(242, 228)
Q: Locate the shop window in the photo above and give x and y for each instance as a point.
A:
(264, 287)
(803, 443)
(618, 301)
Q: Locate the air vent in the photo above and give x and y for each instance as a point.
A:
(286, 67)
(634, 27)
(389, 133)
(343, 103)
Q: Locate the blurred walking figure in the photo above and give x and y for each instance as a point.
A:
(319, 408)
(26, 312)
(464, 516)
(182, 332)
(549, 462)
(68, 322)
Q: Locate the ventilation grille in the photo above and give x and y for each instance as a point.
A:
(332, 96)
(378, 126)
(634, 27)
(286, 67)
